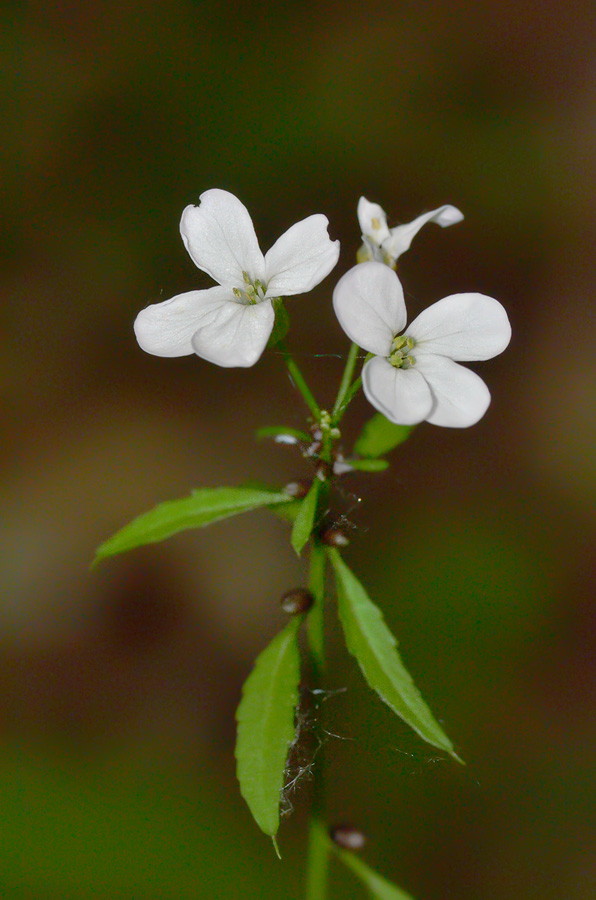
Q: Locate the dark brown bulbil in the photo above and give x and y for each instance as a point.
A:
(297, 601)
(334, 537)
(348, 837)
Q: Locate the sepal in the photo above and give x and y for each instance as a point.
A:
(281, 323)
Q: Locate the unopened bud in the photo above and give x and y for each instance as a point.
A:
(297, 601)
(297, 489)
(335, 537)
(348, 837)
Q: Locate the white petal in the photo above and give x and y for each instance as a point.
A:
(461, 397)
(234, 334)
(167, 329)
(369, 303)
(402, 395)
(300, 258)
(402, 236)
(221, 240)
(463, 326)
(373, 221)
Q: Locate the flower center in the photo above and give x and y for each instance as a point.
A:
(254, 292)
(400, 352)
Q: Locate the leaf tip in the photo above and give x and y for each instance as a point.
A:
(96, 559)
(298, 547)
(275, 846)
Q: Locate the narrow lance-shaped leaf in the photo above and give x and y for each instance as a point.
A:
(283, 435)
(266, 727)
(379, 436)
(202, 508)
(368, 638)
(379, 887)
(369, 465)
(305, 520)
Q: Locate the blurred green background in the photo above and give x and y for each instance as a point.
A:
(118, 686)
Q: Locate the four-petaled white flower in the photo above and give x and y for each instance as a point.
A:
(413, 375)
(386, 245)
(230, 324)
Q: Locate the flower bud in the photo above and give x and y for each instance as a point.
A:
(334, 537)
(298, 489)
(297, 601)
(348, 837)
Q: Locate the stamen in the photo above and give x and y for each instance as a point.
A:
(253, 293)
(399, 357)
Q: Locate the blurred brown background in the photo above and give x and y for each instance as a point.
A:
(118, 686)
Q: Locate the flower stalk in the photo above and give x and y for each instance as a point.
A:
(340, 404)
(299, 380)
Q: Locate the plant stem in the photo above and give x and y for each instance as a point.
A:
(314, 624)
(353, 389)
(318, 843)
(318, 860)
(298, 379)
(345, 380)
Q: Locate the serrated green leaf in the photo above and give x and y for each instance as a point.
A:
(203, 507)
(375, 648)
(380, 888)
(379, 436)
(305, 520)
(277, 431)
(369, 465)
(266, 727)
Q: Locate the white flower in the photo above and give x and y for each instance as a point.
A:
(385, 244)
(412, 375)
(230, 324)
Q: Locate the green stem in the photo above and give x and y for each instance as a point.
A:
(314, 624)
(318, 842)
(345, 380)
(354, 388)
(318, 860)
(299, 380)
